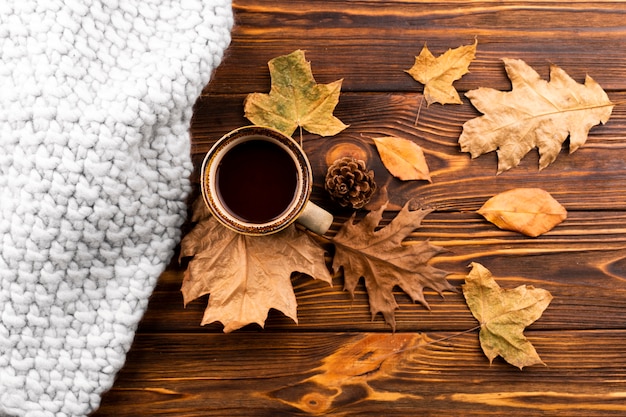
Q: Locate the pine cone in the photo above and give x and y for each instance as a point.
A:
(349, 182)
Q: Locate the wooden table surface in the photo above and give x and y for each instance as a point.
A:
(337, 361)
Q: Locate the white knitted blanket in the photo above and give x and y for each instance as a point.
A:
(95, 102)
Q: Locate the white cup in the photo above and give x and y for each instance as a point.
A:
(257, 181)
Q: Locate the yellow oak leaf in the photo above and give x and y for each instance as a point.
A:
(381, 258)
(403, 158)
(295, 99)
(247, 275)
(503, 315)
(531, 211)
(534, 114)
(438, 73)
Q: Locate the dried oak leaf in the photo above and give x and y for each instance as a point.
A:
(534, 114)
(295, 99)
(503, 315)
(403, 158)
(384, 261)
(438, 73)
(531, 211)
(247, 275)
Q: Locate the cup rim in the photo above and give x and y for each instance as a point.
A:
(208, 187)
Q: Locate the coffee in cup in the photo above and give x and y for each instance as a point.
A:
(256, 180)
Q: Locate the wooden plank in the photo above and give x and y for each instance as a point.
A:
(582, 262)
(593, 177)
(367, 374)
(371, 44)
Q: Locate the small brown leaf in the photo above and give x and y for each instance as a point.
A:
(246, 275)
(438, 74)
(295, 99)
(403, 158)
(380, 257)
(531, 211)
(503, 315)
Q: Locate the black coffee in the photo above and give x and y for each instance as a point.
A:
(256, 181)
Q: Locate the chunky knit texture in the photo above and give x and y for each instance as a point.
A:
(95, 102)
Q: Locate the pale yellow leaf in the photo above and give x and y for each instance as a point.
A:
(438, 73)
(534, 114)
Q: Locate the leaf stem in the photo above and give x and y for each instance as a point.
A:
(419, 110)
(443, 339)
(618, 102)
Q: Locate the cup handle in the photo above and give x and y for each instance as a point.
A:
(315, 218)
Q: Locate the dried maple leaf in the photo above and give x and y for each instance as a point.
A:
(438, 73)
(531, 211)
(534, 114)
(295, 99)
(503, 315)
(245, 275)
(403, 158)
(384, 262)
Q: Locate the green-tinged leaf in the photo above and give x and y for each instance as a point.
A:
(295, 99)
(503, 315)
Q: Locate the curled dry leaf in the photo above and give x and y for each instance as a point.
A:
(503, 315)
(380, 257)
(245, 275)
(403, 158)
(438, 73)
(295, 99)
(535, 114)
(531, 211)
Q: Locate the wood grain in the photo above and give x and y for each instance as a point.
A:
(271, 374)
(370, 44)
(340, 361)
(590, 178)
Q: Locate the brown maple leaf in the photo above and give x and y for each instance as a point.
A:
(503, 315)
(438, 73)
(534, 114)
(531, 211)
(247, 275)
(295, 99)
(384, 261)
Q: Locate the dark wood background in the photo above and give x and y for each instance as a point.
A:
(338, 361)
